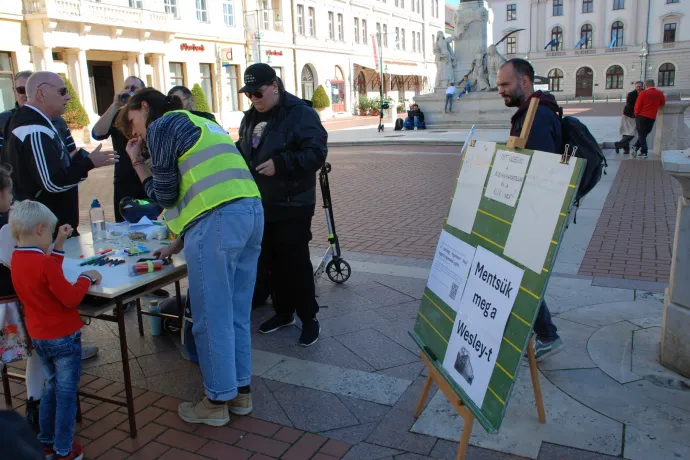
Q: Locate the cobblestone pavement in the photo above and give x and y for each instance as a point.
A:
(634, 235)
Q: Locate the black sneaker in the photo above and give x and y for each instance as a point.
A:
(160, 293)
(275, 323)
(617, 146)
(310, 333)
(32, 407)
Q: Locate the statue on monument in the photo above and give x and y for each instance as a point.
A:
(445, 61)
(493, 62)
(478, 75)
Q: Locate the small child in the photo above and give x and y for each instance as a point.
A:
(53, 322)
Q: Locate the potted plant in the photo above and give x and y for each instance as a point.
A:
(320, 101)
(375, 105)
(75, 116)
(200, 100)
(364, 105)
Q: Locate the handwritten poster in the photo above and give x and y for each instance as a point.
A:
(507, 177)
(537, 214)
(485, 306)
(468, 191)
(449, 270)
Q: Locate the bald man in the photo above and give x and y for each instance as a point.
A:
(42, 167)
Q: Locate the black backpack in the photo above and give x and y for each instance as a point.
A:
(399, 124)
(576, 134)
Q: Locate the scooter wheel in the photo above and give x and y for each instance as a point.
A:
(338, 271)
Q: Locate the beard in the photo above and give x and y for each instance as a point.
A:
(515, 99)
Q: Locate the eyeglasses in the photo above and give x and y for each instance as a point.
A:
(259, 93)
(20, 89)
(62, 91)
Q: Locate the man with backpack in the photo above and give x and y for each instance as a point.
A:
(515, 83)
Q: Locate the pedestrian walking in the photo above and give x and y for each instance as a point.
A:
(628, 129)
(212, 202)
(515, 82)
(284, 144)
(646, 108)
(450, 93)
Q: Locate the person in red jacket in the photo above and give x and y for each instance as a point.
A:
(648, 104)
(52, 320)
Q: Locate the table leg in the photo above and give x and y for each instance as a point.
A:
(180, 307)
(139, 318)
(125, 369)
(6, 387)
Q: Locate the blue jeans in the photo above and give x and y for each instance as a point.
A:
(410, 124)
(61, 360)
(449, 101)
(222, 251)
(543, 325)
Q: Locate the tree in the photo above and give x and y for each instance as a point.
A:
(75, 116)
(320, 99)
(200, 99)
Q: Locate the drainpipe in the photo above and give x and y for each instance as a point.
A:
(649, 12)
(294, 43)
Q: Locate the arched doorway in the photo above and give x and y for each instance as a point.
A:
(584, 80)
(338, 91)
(362, 84)
(307, 82)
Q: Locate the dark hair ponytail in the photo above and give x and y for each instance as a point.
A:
(158, 104)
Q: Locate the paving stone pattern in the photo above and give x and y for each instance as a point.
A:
(633, 238)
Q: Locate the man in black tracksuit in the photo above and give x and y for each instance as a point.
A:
(284, 144)
(516, 86)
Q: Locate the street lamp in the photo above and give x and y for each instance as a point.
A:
(643, 56)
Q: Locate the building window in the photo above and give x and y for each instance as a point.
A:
(614, 77)
(419, 9)
(201, 11)
(436, 4)
(558, 7)
(667, 74)
(365, 40)
(228, 13)
(511, 45)
(586, 36)
(670, 32)
(557, 38)
(171, 7)
(397, 38)
(300, 19)
(414, 43)
(672, 1)
(205, 74)
(356, 30)
(231, 73)
(617, 34)
(402, 37)
(412, 1)
(331, 25)
(6, 82)
(135, 4)
(176, 74)
(419, 42)
(265, 15)
(307, 83)
(511, 12)
(385, 35)
(397, 3)
(587, 6)
(402, 4)
(555, 80)
(312, 22)
(341, 31)
(618, 4)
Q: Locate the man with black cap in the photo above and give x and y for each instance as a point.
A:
(284, 143)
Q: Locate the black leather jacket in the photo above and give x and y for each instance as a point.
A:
(295, 140)
(630, 99)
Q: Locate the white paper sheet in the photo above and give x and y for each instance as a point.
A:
(470, 185)
(449, 270)
(537, 213)
(489, 296)
(113, 277)
(507, 176)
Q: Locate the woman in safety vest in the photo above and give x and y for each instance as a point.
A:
(213, 204)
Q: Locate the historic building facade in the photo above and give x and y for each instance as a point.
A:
(598, 47)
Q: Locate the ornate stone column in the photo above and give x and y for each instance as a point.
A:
(671, 132)
(675, 328)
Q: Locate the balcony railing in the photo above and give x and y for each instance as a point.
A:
(585, 51)
(98, 13)
(617, 49)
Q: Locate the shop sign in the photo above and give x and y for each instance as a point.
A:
(274, 53)
(192, 47)
(226, 56)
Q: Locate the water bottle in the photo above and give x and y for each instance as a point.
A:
(156, 322)
(97, 217)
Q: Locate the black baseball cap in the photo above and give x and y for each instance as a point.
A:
(256, 76)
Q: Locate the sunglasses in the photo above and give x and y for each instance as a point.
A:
(20, 89)
(62, 91)
(257, 94)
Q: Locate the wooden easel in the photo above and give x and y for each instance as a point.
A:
(467, 416)
(436, 377)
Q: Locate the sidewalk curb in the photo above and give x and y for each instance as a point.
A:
(431, 143)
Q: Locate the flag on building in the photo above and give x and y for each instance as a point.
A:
(553, 42)
(582, 41)
(613, 42)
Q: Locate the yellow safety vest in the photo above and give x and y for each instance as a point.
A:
(212, 172)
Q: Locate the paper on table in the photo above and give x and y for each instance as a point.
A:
(448, 273)
(470, 185)
(113, 277)
(143, 222)
(537, 213)
(507, 176)
(475, 340)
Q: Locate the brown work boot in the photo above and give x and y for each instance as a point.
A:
(204, 412)
(241, 405)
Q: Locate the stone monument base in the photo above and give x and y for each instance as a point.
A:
(485, 109)
(675, 346)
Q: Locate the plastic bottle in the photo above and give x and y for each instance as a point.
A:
(156, 321)
(97, 218)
